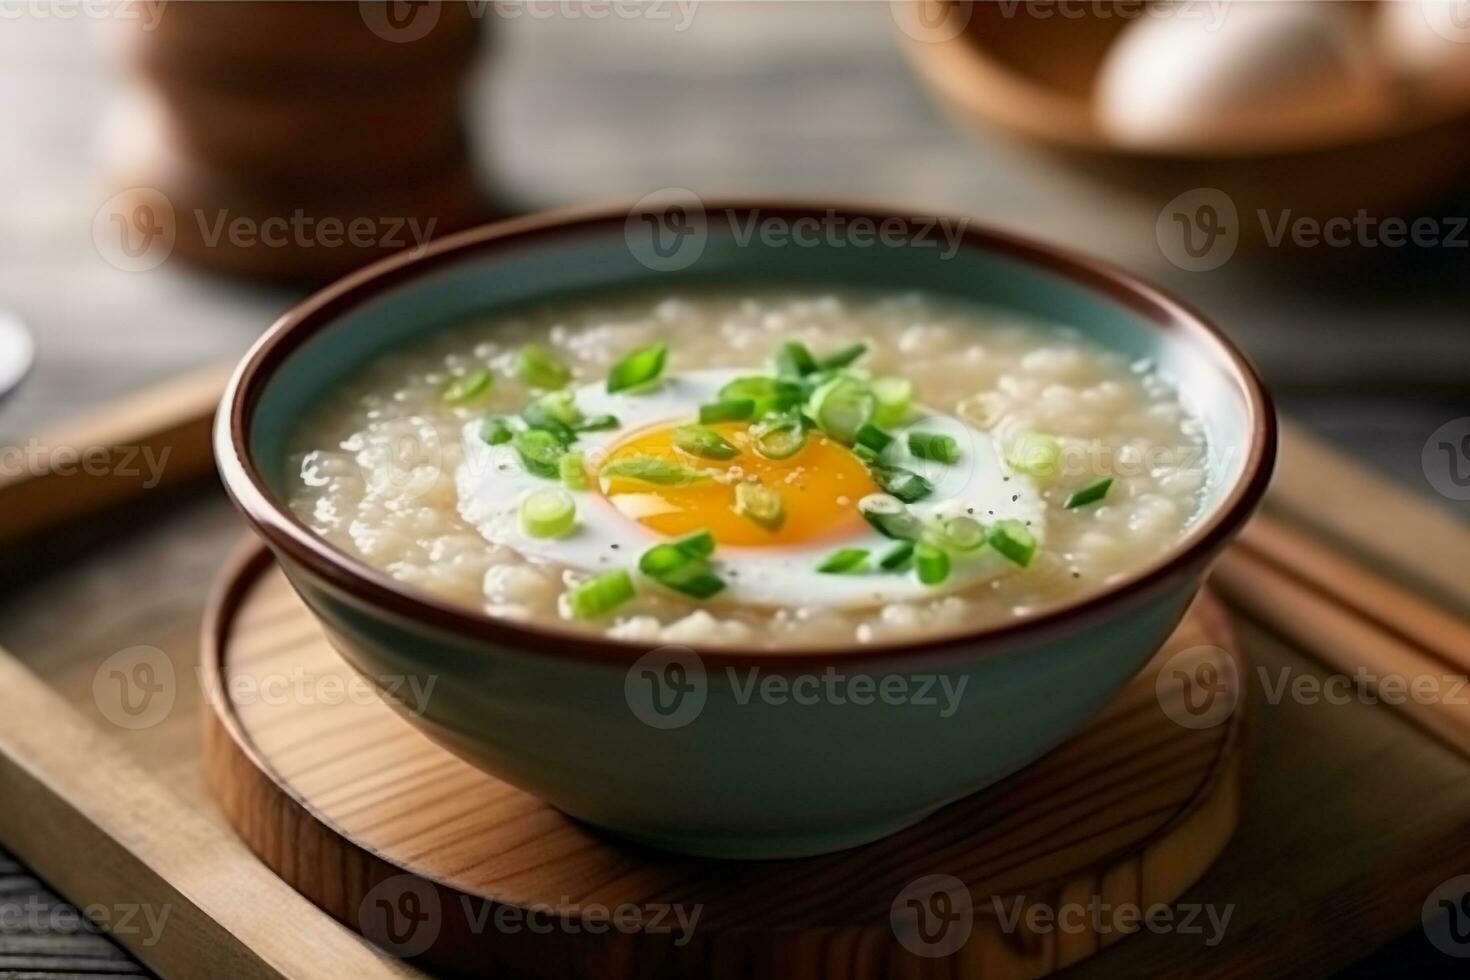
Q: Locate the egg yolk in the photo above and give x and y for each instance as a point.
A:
(819, 486)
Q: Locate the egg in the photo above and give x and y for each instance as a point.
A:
(1241, 77)
(822, 486)
(1428, 43)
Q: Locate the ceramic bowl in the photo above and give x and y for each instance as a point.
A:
(667, 747)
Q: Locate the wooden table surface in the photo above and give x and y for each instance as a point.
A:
(1368, 348)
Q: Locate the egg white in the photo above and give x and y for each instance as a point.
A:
(492, 482)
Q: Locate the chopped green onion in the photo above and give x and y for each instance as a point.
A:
(540, 416)
(599, 596)
(1090, 494)
(932, 445)
(793, 360)
(562, 406)
(540, 451)
(898, 558)
(674, 568)
(573, 467)
(864, 454)
(901, 483)
(727, 410)
(841, 407)
(1012, 538)
(548, 513)
(962, 534)
(1036, 455)
(496, 431)
(895, 400)
(760, 503)
(466, 388)
(639, 368)
(696, 544)
(842, 358)
(769, 394)
(874, 438)
(932, 563)
(651, 469)
(778, 437)
(890, 517)
(844, 561)
(540, 367)
(597, 423)
(706, 443)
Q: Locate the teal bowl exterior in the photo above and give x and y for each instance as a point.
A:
(720, 752)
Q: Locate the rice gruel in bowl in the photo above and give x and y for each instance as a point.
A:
(768, 469)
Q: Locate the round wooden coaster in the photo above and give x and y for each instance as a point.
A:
(437, 861)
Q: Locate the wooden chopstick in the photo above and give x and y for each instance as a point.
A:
(157, 437)
(1353, 620)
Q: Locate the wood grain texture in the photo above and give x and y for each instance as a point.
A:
(71, 790)
(151, 440)
(350, 804)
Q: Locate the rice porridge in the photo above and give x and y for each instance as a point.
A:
(772, 469)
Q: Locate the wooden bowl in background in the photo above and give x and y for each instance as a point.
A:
(1032, 79)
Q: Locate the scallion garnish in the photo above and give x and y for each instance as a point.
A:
(898, 558)
(495, 431)
(651, 469)
(842, 406)
(842, 358)
(778, 436)
(1014, 540)
(890, 517)
(1090, 494)
(793, 360)
(597, 423)
(573, 470)
(540, 452)
(962, 534)
(637, 369)
(844, 561)
(543, 417)
(601, 595)
(706, 443)
(548, 513)
(1035, 454)
(895, 399)
(761, 504)
(727, 410)
(676, 568)
(932, 563)
(696, 544)
(466, 388)
(934, 446)
(768, 394)
(901, 483)
(874, 438)
(539, 367)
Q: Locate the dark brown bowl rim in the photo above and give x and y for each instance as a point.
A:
(288, 536)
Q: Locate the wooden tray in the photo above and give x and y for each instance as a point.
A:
(424, 854)
(1355, 814)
